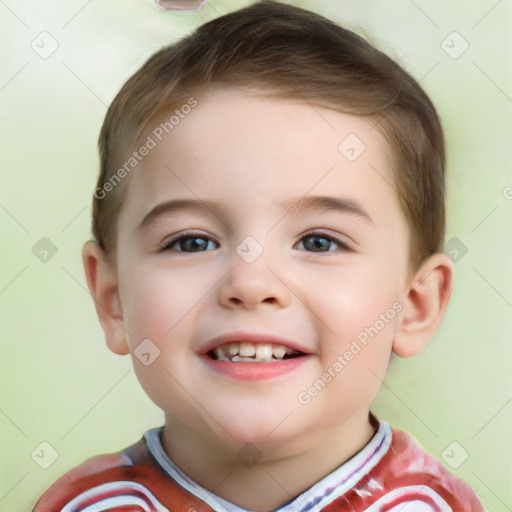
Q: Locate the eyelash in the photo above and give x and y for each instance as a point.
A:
(182, 236)
(342, 246)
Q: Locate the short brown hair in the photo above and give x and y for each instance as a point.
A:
(285, 51)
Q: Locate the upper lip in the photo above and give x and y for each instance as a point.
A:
(251, 337)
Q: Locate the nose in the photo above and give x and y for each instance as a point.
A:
(253, 285)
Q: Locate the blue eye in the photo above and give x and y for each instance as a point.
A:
(190, 243)
(319, 242)
(197, 242)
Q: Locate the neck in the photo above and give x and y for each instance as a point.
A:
(286, 470)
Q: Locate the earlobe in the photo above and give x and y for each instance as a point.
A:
(103, 285)
(424, 305)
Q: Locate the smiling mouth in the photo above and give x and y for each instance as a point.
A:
(252, 353)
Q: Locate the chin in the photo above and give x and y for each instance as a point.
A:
(260, 426)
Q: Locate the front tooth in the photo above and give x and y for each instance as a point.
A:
(264, 352)
(238, 359)
(246, 350)
(279, 351)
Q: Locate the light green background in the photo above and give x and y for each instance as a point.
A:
(60, 384)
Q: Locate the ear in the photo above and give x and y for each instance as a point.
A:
(425, 303)
(103, 284)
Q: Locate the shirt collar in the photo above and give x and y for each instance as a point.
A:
(313, 499)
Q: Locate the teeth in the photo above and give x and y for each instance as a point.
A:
(251, 353)
(279, 351)
(231, 349)
(238, 359)
(264, 352)
(246, 350)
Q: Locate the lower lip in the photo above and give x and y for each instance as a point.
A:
(254, 371)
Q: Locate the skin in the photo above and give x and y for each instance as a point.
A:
(249, 153)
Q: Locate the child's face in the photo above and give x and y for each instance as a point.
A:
(324, 273)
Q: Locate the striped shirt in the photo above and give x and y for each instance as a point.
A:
(391, 473)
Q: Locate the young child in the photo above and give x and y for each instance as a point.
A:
(268, 224)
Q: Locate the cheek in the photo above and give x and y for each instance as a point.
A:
(354, 361)
(352, 298)
(157, 312)
(358, 312)
(363, 333)
(158, 300)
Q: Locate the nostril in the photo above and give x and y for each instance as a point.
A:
(235, 301)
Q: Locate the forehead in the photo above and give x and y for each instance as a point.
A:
(237, 148)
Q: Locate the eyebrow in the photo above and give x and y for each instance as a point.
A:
(175, 206)
(327, 204)
(299, 206)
